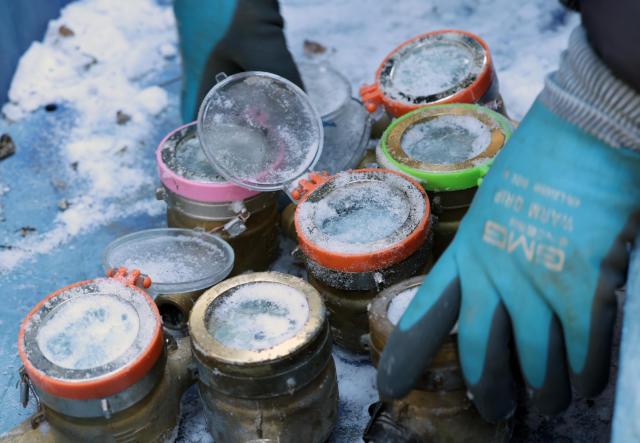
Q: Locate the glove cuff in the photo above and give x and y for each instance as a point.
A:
(586, 93)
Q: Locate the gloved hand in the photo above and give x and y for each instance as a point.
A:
(228, 36)
(536, 259)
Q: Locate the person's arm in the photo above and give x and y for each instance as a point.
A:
(539, 254)
(228, 36)
(613, 33)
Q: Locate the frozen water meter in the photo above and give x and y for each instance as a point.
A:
(95, 356)
(449, 149)
(198, 196)
(262, 347)
(447, 66)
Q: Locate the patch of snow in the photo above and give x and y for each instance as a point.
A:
(85, 215)
(168, 50)
(154, 99)
(98, 71)
(357, 389)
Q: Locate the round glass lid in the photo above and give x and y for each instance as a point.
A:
(327, 88)
(89, 331)
(257, 316)
(182, 153)
(433, 67)
(177, 260)
(259, 130)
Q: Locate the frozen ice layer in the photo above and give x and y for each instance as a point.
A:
(259, 130)
(246, 150)
(432, 68)
(362, 213)
(170, 259)
(327, 89)
(399, 304)
(88, 331)
(448, 139)
(187, 159)
(258, 316)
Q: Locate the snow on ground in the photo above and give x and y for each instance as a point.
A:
(108, 61)
(525, 38)
(96, 59)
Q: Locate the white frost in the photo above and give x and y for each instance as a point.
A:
(432, 69)
(103, 68)
(88, 331)
(399, 304)
(170, 259)
(361, 213)
(446, 139)
(187, 159)
(258, 316)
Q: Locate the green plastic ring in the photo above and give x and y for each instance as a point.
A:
(453, 180)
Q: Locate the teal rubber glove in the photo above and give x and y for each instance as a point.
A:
(535, 263)
(201, 25)
(228, 36)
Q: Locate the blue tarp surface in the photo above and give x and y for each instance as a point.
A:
(36, 185)
(21, 22)
(37, 176)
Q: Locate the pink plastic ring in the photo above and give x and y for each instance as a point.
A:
(194, 190)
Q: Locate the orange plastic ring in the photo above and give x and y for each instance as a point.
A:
(103, 387)
(367, 262)
(470, 94)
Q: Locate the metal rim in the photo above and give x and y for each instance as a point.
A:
(209, 350)
(220, 211)
(396, 133)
